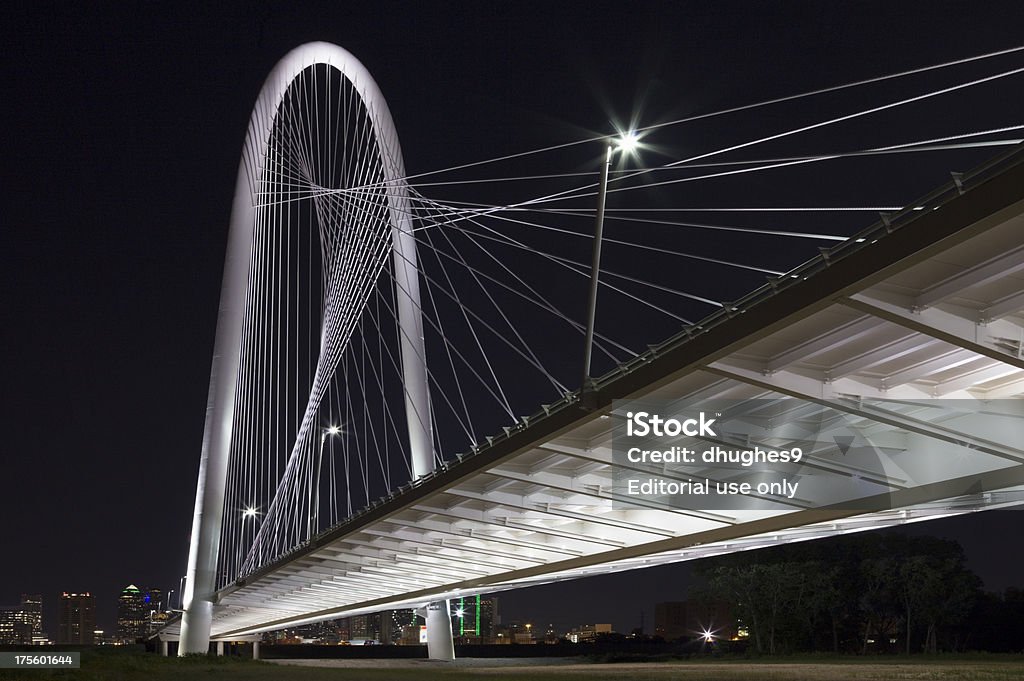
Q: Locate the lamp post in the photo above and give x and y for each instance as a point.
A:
(249, 512)
(627, 142)
(314, 517)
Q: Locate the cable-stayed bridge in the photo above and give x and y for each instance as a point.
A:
(366, 446)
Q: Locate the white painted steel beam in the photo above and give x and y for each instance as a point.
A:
(991, 270)
(980, 338)
(1002, 307)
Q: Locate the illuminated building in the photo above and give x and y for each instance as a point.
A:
(131, 620)
(14, 629)
(32, 610)
(136, 609)
(474, 618)
(22, 624)
(77, 618)
(412, 634)
(587, 633)
(364, 627)
(398, 621)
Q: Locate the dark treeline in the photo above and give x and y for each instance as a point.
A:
(864, 593)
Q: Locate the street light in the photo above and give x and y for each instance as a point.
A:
(247, 513)
(314, 517)
(628, 143)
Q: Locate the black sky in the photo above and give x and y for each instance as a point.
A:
(123, 125)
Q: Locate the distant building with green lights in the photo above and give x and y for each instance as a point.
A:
(136, 608)
(474, 618)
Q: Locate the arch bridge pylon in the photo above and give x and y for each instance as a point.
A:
(201, 587)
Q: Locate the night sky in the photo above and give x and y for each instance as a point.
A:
(123, 125)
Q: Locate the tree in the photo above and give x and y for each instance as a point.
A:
(878, 602)
(864, 585)
(934, 587)
(759, 592)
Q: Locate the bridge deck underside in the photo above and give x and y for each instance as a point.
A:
(944, 320)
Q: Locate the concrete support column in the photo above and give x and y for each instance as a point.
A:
(220, 648)
(164, 648)
(440, 645)
(195, 628)
(255, 650)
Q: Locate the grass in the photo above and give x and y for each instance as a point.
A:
(103, 665)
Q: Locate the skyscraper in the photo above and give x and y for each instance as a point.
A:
(488, 617)
(365, 627)
(32, 611)
(14, 630)
(395, 622)
(20, 624)
(77, 618)
(474, 618)
(135, 608)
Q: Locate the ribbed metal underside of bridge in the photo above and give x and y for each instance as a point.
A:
(926, 304)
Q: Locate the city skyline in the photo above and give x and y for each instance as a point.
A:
(141, 119)
(569, 604)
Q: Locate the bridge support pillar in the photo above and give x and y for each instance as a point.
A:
(220, 648)
(164, 648)
(439, 632)
(195, 628)
(255, 650)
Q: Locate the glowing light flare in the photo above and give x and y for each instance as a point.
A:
(333, 430)
(628, 142)
(249, 512)
(708, 635)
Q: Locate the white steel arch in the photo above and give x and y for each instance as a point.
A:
(209, 507)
